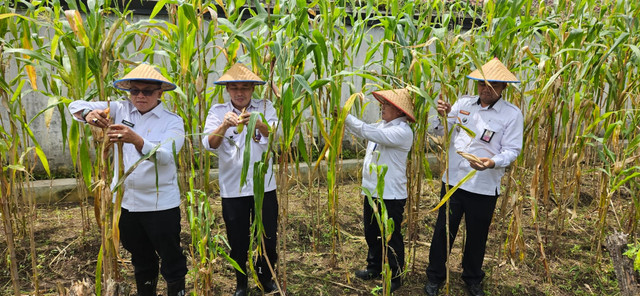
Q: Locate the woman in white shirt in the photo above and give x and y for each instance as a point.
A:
(390, 141)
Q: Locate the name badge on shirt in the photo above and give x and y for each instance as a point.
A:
(127, 123)
(487, 135)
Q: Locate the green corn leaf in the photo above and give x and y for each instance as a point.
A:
(246, 157)
(135, 165)
(99, 272)
(453, 189)
(302, 149)
(303, 82)
(466, 130)
(74, 144)
(636, 262)
(85, 160)
(157, 8)
(15, 167)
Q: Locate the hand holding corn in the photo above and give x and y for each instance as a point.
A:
(468, 156)
(99, 118)
(240, 126)
(477, 163)
(230, 119)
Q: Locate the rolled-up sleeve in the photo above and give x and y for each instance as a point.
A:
(213, 121)
(437, 128)
(393, 136)
(76, 106)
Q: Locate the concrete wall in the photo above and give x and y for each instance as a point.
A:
(57, 152)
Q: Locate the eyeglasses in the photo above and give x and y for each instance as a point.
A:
(146, 92)
(493, 84)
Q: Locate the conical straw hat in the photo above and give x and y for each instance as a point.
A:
(239, 73)
(143, 72)
(400, 98)
(494, 71)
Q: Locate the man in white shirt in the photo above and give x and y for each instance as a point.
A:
(390, 141)
(150, 220)
(226, 138)
(498, 127)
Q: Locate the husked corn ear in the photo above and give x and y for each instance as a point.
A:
(107, 112)
(469, 156)
(240, 126)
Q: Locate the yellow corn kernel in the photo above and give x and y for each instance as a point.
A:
(240, 126)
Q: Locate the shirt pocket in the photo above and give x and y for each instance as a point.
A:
(233, 142)
(157, 137)
(155, 140)
(157, 134)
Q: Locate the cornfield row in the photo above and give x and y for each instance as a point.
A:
(579, 62)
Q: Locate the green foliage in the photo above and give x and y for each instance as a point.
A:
(578, 62)
(633, 252)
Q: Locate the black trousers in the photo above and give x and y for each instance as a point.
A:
(238, 214)
(478, 212)
(149, 235)
(395, 250)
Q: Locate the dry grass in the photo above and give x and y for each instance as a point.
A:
(67, 256)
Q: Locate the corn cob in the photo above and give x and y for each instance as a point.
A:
(240, 126)
(469, 156)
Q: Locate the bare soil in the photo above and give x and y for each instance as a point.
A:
(66, 254)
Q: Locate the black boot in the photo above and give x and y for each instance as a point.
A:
(396, 283)
(367, 274)
(267, 282)
(176, 288)
(147, 287)
(241, 284)
(269, 286)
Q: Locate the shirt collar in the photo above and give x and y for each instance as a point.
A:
(396, 121)
(253, 104)
(157, 110)
(496, 105)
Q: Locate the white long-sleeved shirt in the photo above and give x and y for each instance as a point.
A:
(389, 144)
(498, 135)
(231, 150)
(156, 127)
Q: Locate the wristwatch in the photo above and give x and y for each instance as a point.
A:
(85, 112)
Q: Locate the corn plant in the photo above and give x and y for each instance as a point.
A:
(18, 142)
(578, 62)
(385, 224)
(206, 247)
(85, 58)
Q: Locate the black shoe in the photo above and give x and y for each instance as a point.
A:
(240, 291)
(432, 288)
(241, 284)
(475, 289)
(176, 288)
(270, 286)
(147, 287)
(367, 274)
(395, 285)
